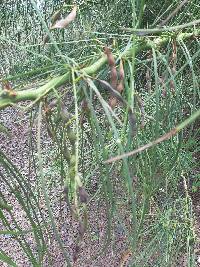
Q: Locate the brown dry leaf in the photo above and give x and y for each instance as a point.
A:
(63, 23)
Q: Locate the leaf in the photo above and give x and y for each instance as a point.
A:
(63, 23)
(5, 258)
(5, 206)
(4, 130)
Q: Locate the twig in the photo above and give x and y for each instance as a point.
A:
(166, 136)
(160, 30)
(173, 13)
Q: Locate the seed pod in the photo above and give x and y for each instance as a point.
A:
(83, 195)
(76, 252)
(6, 85)
(172, 86)
(121, 71)
(71, 173)
(53, 103)
(164, 90)
(132, 122)
(111, 60)
(141, 105)
(81, 229)
(148, 73)
(113, 77)
(64, 114)
(85, 106)
(73, 160)
(66, 190)
(120, 87)
(112, 102)
(50, 132)
(66, 153)
(46, 39)
(72, 136)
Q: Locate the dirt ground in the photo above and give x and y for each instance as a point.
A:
(117, 253)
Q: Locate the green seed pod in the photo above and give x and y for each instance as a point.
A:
(73, 160)
(65, 116)
(71, 173)
(71, 136)
(66, 154)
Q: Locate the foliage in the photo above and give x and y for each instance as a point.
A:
(75, 99)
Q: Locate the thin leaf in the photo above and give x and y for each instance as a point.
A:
(5, 258)
(4, 130)
(164, 137)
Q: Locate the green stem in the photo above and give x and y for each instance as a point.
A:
(164, 137)
(160, 30)
(37, 93)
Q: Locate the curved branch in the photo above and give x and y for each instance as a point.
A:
(142, 44)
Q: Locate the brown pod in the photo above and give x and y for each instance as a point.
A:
(46, 39)
(162, 83)
(76, 252)
(111, 60)
(113, 77)
(132, 122)
(121, 71)
(172, 86)
(120, 87)
(66, 190)
(83, 195)
(85, 106)
(81, 229)
(62, 23)
(148, 73)
(6, 85)
(112, 102)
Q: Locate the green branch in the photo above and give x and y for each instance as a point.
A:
(164, 137)
(9, 98)
(162, 29)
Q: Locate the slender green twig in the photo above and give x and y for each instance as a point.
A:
(166, 136)
(160, 30)
(44, 187)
